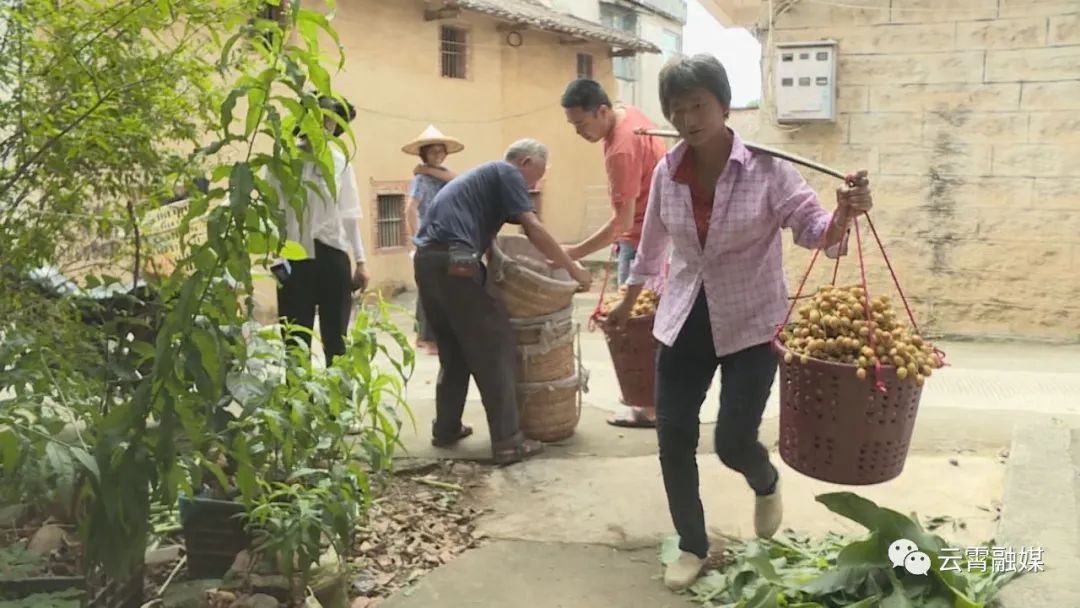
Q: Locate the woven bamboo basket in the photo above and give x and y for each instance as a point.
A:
(550, 411)
(524, 282)
(545, 346)
(545, 329)
(546, 361)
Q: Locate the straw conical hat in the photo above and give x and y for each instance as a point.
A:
(431, 136)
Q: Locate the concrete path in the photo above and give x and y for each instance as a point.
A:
(508, 574)
(620, 502)
(1041, 512)
(578, 527)
(1028, 378)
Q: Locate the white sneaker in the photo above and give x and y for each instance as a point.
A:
(768, 513)
(682, 572)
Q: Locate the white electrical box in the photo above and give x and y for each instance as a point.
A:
(806, 81)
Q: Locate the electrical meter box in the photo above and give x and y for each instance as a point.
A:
(806, 81)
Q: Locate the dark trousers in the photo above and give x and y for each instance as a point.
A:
(324, 284)
(475, 338)
(684, 372)
(423, 329)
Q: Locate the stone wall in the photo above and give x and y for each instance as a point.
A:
(968, 119)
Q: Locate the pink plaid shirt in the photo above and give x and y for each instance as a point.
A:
(741, 264)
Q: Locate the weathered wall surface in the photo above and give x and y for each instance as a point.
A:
(968, 119)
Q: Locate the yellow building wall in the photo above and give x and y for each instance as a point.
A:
(392, 75)
(967, 119)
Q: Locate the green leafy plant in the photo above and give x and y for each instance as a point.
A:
(115, 108)
(17, 560)
(303, 439)
(836, 572)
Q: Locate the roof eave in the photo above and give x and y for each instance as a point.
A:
(626, 42)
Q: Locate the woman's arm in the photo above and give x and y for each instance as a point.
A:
(439, 173)
(797, 206)
(411, 216)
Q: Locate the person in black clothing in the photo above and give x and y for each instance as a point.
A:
(329, 231)
(471, 326)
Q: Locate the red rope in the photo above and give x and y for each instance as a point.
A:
(813, 260)
(798, 292)
(888, 263)
(598, 312)
(900, 290)
(878, 384)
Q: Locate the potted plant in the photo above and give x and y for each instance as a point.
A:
(289, 468)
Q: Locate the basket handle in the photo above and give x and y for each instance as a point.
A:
(598, 311)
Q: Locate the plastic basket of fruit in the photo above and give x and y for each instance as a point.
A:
(850, 385)
(633, 348)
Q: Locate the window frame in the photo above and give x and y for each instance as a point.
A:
(589, 61)
(464, 55)
(383, 189)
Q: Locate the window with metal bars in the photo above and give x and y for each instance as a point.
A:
(390, 221)
(453, 43)
(584, 65)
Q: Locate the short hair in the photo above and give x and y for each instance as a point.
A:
(585, 94)
(526, 147)
(684, 74)
(342, 107)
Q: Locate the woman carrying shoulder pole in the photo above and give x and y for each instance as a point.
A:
(723, 208)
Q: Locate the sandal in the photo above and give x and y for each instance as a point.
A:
(439, 442)
(518, 449)
(632, 417)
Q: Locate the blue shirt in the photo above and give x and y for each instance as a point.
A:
(472, 208)
(423, 191)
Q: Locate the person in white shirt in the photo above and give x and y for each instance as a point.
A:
(329, 231)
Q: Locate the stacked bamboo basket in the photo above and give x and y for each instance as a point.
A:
(540, 302)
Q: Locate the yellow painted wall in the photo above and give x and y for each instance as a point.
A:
(392, 76)
(968, 120)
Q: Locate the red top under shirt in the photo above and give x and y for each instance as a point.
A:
(702, 198)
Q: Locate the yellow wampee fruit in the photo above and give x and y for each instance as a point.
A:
(833, 326)
(645, 306)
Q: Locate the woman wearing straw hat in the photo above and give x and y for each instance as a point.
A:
(430, 176)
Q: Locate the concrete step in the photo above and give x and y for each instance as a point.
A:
(1039, 511)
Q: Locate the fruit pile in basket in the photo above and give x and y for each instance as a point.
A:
(833, 326)
(645, 306)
